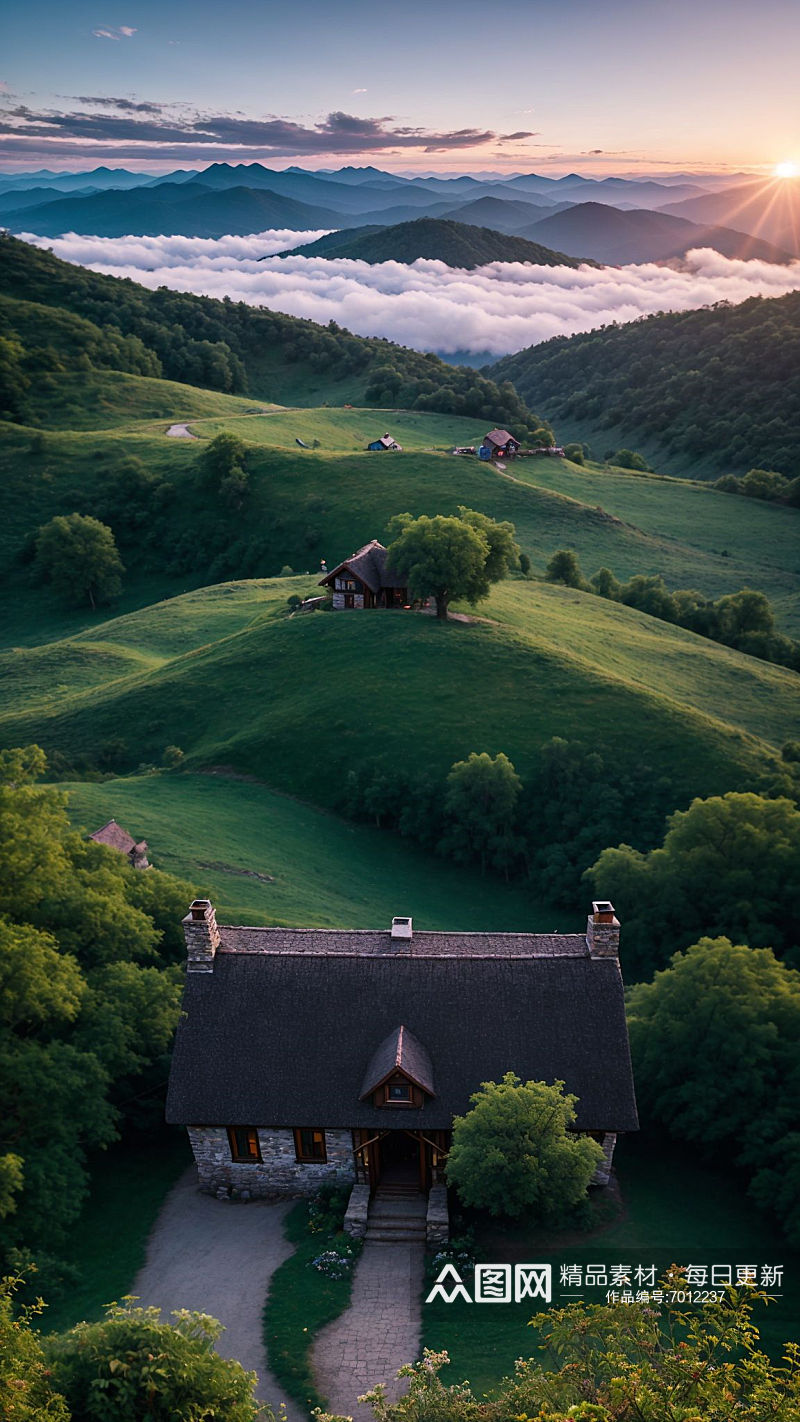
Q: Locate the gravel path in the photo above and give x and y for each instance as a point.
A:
(377, 1334)
(180, 432)
(218, 1256)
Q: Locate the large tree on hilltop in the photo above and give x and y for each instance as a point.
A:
(447, 557)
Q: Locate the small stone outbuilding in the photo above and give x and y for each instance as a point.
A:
(113, 836)
(312, 1055)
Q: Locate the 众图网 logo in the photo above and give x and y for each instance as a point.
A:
(495, 1283)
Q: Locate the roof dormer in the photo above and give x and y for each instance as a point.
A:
(400, 1072)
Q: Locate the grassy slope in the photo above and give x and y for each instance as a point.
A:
(309, 504)
(325, 872)
(110, 399)
(298, 701)
(680, 1214)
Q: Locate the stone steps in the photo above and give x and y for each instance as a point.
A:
(397, 1215)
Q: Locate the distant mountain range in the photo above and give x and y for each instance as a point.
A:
(617, 237)
(456, 243)
(768, 210)
(612, 220)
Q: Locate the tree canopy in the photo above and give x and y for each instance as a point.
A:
(78, 555)
(481, 806)
(89, 999)
(447, 557)
(514, 1153)
(715, 384)
(716, 1046)
(728, 865)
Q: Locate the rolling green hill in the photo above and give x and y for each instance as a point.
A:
(231, 678)
(272, 859)
(458, 244)
(306, 504)
(717, 386)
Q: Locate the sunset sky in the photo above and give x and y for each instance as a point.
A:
(532, 85)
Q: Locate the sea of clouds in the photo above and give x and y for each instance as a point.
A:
(497, 308)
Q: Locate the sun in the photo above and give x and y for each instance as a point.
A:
(786, 170)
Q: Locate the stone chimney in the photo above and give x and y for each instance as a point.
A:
(402, 928)
(602, 930)
(202, 937)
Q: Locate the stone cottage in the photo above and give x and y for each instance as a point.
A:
(113, 836)
(313, 1055)
(366, 580)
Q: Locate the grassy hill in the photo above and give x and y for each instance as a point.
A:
(304, 505)
(458, 244)
(272, 859)
(234, 680)
(716, 386)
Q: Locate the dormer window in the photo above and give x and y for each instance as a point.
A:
(400, 1071)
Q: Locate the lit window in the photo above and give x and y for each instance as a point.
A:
(244, 1145)
(309, 1145)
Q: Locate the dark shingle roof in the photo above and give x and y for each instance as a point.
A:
(400, 1049)
(368, 564)
(284, 1038)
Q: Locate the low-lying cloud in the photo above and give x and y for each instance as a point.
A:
(497, 308)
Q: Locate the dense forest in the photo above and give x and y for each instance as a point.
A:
(718, 384)
(458, 244)
(110, 323)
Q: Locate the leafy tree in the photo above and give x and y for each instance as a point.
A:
(78, 555)
(480, 811)
(762, 484)
(575, 453)
(514, 1153)
(605, 584)
(524, 564)
(88, 1001)
(629, 459)
(133, 1366)
(503, 549)
(222, 466)
(716, 1045)
(650, 595)
(564, 567)
(729, 865)
(440, 557)
(743, 612)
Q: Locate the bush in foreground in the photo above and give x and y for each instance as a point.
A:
(620, 1363)
(134, 1366)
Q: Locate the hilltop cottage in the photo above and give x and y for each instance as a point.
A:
(386, 442)
(315, 1055)
(365, 580)
(113, 836)
(498, 444)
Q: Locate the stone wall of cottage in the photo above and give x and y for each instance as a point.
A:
(279, 1172)
(602, 1174)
